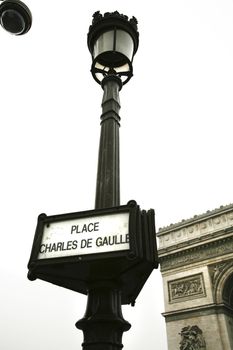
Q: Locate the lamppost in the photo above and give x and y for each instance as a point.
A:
(112, 41)
(107, 253)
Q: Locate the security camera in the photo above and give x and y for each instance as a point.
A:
(15, 17)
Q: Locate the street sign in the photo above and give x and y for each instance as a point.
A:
(116, 244)
(88, 235)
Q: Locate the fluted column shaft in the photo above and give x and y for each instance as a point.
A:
(108, 175)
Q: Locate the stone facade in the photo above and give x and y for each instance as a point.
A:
(196, 261)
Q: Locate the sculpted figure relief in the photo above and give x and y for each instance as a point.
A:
(192, 287)
(187, 288)
(192, 338)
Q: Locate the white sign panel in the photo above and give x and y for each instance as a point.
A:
(98, 234)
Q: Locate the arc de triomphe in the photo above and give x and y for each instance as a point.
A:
(196, 261)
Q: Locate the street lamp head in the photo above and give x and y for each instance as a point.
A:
(112, 41)
(15, 17)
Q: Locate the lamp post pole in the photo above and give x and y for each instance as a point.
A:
(103, 323)
(108, 175)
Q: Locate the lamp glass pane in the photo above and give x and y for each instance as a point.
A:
(100, 66)
(99, 76)
(123, 69)
(104, 43)
(124, 44)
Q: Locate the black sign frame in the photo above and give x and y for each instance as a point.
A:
(129, 268)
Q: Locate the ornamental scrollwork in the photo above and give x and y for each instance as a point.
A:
(215, 271)
(97, 17)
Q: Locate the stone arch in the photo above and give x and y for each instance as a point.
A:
(199, 249)
(223, 289)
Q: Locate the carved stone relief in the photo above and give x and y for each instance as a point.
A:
(222, 273)
(186, 288)
(215, 270)
(192, 338)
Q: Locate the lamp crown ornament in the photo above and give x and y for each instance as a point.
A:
(97, 16)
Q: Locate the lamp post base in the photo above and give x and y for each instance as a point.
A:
(103, 323)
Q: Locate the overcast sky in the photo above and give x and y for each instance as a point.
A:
(176, 146)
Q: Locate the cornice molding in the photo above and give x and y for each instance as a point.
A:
(203, 228)
(196, 218)
(202, 252)
(197, 312)
(207, 239)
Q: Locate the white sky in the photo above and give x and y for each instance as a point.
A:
(176, 146)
